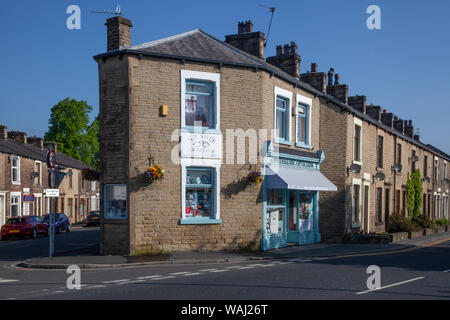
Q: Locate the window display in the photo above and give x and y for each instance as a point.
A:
(116, 202)
(305, 212)
(199, 104)
(199, 192)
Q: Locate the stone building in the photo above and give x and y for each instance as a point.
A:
(24, 178)
(181, 101)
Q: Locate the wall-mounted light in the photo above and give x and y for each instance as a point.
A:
(164, 110)
(426, 179)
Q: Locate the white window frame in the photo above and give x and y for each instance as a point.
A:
(279, 92)
(93, 185)
(19, 204)
(436, 169)
(304, 102)
(209, 163)
(17, 158)
(357, 182)
(357, 122)
(40, 173)
(366, 183)
(36, 196)
(201, 76)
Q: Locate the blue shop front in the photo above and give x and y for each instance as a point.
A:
(292, 182)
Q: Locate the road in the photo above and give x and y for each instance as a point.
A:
(420, 274)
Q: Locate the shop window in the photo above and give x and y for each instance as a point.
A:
(200, 100)
(15, 170)
(199, 193)
(275, 212)
(115, 202)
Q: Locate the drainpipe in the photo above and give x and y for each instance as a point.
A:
(395, 175)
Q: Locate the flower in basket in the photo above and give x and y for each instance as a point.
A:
(154, 173)
(255, 177)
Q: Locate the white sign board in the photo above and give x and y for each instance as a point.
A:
(201, 145)
(52, 193)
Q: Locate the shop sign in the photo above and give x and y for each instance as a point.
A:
(201, 145)
(28, 198)
(295, 163)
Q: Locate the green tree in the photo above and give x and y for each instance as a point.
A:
(69, 127)
(417, 183)
(410, 195)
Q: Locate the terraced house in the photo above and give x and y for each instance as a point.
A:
(179, 103)
(24, 178)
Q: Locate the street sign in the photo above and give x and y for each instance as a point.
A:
(52, 193)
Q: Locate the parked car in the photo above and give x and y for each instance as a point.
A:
(31, 226)
(62, 223)
(93, 219)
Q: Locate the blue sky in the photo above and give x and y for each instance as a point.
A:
(404, 67)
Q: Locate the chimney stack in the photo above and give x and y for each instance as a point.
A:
(409, 129)
(288, 60)
(3, 132)
(387, 118)
(118, 33)
(374, 112)
(247, 40)
(317, 80)
(37, 142)
(358, 103)
(18, 136)
(340, 91)
(400, 125)
(50, 145)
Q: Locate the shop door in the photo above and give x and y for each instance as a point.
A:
(306, 217)
(292, 227)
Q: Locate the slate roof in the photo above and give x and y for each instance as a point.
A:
(11, 146)
(197, 45)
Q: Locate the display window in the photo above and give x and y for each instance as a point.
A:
(199, 104)
(199, 193)
(115, 202)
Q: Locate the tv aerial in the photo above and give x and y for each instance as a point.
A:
(117, 12)
(272, 10)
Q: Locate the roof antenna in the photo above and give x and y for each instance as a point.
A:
(117, 12)
(272, 10)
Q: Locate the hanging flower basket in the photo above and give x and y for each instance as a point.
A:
(255, 177)
(153, 173)
(90, 174)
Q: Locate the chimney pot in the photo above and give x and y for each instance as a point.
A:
(336, 79)
(330, 77)
(313, 67)
(3, 132)
(279, 50)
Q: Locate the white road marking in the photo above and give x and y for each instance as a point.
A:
(192, 274)
(446, 270)
(127, 282)
(115, 281)
(391, 285)
(7, 280)
(178, 273)
(256, 265)
(285, 262)
(149, 277)
(233, 267)
(58, 292)
(268, 265)
(243, 268)
(220, 270)
(206, 270)
(169, 277)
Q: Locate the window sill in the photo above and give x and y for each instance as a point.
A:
(358, 163)
(200, 221)
(16, 183)
(304, 146)
(284, 142)
(201, 130)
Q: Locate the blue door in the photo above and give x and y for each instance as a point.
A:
(293, 219)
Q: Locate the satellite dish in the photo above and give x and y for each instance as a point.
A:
(445, 181)
(398, 167)
(355, 168)
(379, 176)
(415, 158)
(426, 179)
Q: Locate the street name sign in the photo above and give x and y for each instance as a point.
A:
(52, 193)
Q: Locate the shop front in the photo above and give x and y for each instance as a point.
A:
(292, 182)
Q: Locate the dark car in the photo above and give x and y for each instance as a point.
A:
(93, 219)
(62, 223)
(31, 226)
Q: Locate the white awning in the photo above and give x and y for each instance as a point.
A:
(297, 179)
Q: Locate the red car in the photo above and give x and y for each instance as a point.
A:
(30, 226)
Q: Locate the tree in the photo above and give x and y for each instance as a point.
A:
(417, 183)
(69, 127)
(410, 196)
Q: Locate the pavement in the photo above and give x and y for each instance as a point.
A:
(87, 259)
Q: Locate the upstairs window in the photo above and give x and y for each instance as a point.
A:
(380, 152)
(413, 161)
(399, 153)
(425, 166)
(282, 119)
(15, 170)
(436, 173)
(357, 143)
(303, 120)
(199, 104)
(200, 101)
(38, 177)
